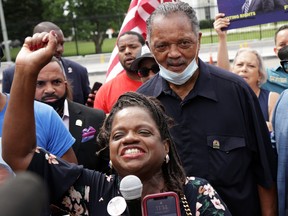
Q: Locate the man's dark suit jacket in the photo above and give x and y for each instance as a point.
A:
(75, 73)
(81, 117)
(260, 6)
(279, 4)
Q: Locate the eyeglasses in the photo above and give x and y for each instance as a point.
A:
(284, 64)
(144, 71)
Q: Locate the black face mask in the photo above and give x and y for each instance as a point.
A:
(58, 105)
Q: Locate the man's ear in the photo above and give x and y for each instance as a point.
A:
(276, 51)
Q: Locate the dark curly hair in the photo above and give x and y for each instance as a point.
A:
(173, 172)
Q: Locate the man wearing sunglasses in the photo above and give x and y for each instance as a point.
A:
(146, 66)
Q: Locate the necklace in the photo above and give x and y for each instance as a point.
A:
(185, 205)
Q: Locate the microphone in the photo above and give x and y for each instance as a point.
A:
(26, 194)
(131, 189)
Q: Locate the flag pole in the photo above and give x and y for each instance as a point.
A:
(4, 32)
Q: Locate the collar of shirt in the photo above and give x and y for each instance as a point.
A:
(276, 69)
(279, 68)
(65, 117)
(204, 85)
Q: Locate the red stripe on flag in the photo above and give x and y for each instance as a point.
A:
(149, 8)
(141, 24)
(133, 4)
(135, 20)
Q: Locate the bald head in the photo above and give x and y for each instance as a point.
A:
(45, 27)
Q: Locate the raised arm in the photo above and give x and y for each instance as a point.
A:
(222, 54)
(19, 136)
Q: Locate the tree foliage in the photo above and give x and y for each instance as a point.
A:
(92, 18)
(21, 16)
(80, 19)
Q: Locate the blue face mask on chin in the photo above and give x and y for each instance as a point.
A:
(179, 78)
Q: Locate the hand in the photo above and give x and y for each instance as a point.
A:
(220, 23)
(36, 52)
(91, 98)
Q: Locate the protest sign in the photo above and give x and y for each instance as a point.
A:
(243, 13)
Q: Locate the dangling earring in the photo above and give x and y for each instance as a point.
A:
(167, 159)
(110, 164)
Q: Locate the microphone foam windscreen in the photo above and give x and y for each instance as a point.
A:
(131, 187)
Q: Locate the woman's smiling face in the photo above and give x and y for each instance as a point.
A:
(136, 146)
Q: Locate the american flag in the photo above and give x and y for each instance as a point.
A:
(135, 20)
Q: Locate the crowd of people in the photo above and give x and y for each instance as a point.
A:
(216, 135)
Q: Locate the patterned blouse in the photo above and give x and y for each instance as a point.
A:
(80, 191)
